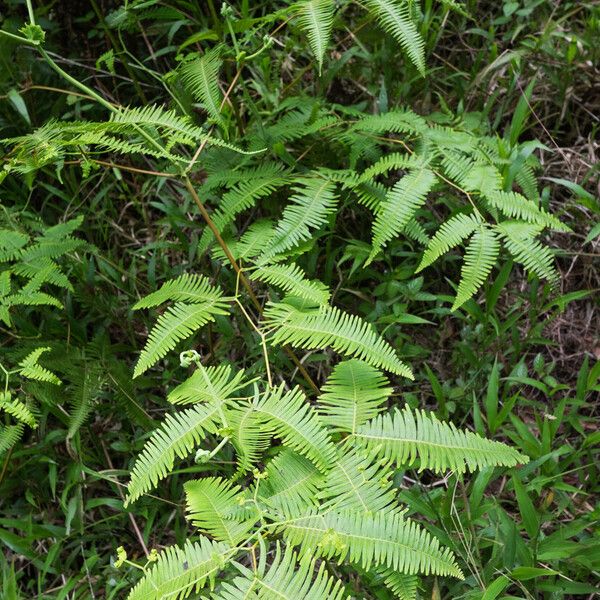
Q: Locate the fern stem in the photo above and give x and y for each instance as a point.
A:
(190, 187)
(263, 341)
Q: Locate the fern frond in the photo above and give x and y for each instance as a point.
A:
(516, 206)
(290, 417)
(526, 179)
(314, 200)
(211, 502)
(450, 234)
(30, 368)
(292, 483)
(394, 121)
(316, 18)
(404, 587)
(357, 483)
(390, 162)
(177, 436)
(11, 243)
(180, 571)
(407, 438)
(248, 435)
(353, 394)
(520, 240)
(31, 299)
(9, 436)
(251, 244)
(178, 323)
(188, 287)
(17, 409)
(43, 270)
(84, 391)
(201, 77)
(400, 205)
(395, 18)
(288, 578)
(240, 198)
(292, 279)
(480, 258)
(383, 539)
(329, 326)
(208, 384)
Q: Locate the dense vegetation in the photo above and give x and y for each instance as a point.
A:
(299, 299)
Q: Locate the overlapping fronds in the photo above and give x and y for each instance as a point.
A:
(308, 209)
(450, 234)
(292, 483)
(357, 483)
(212, 504)
(188, 287)
(521, 242)
(287, 578)
(293, 420)
(207, 384)
(478, 262)
(400, 205)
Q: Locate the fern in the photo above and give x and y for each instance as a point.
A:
(178, 436)
(316, 18)
(30, 368)
(357, 483)
(383, 539)
(181, 320)
(9, 436)
(289, 416)
(329, 326)
(515, 206)
(314, 200)
(403, 586)
(395, 18)
(17, 409)
(292, 279)
(287, 578)
(185, 288)
(201, 77)
(211, 502)
(406, 437)
(292, 483)
(242, 197)
(479, 260)
(520, 240)
(354, 393)
(400, 205)
(453, 232)
(180, 571)
(208, 384)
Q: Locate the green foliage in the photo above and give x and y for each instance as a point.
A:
(301, 196)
